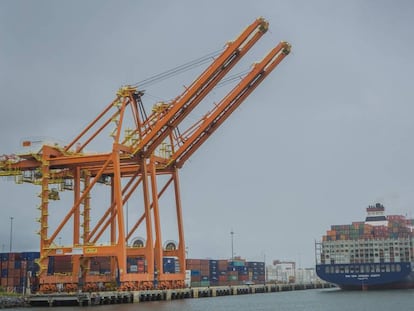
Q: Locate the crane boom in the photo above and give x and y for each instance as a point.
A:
(179, 108)
(198, 133)
(154, 129)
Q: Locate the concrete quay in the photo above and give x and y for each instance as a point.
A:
(103, 298)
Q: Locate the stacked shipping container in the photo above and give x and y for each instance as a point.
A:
(200, 271)
(136, 265)
(257, 271)
(397, 227)
(223, 272)
(17, 270)
(388, 242)
(102, 265)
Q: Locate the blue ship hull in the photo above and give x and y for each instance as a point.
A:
(368, 275)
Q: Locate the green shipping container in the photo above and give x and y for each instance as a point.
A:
(205, 283)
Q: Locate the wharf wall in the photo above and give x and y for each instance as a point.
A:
(104, 298)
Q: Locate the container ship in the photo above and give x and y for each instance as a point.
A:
(374, 254)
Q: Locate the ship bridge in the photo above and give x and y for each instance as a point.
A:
(376, 216)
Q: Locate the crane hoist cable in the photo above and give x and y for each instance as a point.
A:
(185, 67)
(230, 79)
(179, 69)
(225, 81)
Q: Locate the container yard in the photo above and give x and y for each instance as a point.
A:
(19, 271)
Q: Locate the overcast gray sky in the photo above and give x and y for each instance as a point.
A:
(324, 136)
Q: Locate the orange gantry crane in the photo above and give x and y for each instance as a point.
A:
(147, 152)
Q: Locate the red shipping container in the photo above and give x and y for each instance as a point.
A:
(193, 261)
(10, 264)
(222, 265)
(15, 273)
(205, 262)
(195, 278)
(204, 271)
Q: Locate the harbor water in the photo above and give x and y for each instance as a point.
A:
(310, 300)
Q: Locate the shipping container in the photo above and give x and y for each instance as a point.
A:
(169, 265)
(205, 283)
(4, 256)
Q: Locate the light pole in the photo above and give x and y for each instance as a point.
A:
(232, 237)
(265, 271)
(11, 233)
